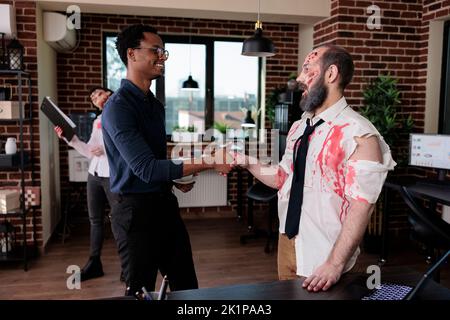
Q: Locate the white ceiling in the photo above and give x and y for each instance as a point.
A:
(288, 11)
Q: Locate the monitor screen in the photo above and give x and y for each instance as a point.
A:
(429, 150)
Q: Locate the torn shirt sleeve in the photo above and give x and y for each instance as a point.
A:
(364, 179)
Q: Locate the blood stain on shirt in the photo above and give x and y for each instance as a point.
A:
(281, 178)
(331, 163)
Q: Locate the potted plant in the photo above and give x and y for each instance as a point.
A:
(220, 131)
(381, 99)
(184, 134)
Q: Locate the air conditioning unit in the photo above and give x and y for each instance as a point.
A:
(56, 33)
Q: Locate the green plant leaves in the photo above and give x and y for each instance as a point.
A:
(381, 99)
(222, 127)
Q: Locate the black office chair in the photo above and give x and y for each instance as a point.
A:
(287, 111)
(427, 227)
(261, 192)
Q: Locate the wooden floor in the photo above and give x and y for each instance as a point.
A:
(219, 257)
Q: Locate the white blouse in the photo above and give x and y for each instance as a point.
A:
(98, 164)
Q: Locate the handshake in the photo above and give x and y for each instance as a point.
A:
(224, 160)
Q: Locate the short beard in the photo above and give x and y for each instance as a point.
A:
(316, 97)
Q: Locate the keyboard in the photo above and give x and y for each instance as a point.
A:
(389, 291)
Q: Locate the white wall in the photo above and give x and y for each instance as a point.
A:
(305, 42)
(49, 148)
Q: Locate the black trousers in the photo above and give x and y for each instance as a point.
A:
(156, 239)
(98, 194)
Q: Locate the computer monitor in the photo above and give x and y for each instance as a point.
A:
(429, 150)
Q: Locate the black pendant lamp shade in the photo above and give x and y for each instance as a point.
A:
(190, 84)
(258, 45)
(248, 121)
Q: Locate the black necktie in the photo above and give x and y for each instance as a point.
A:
(298, 181)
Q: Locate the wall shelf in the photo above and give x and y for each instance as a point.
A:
(20, 251)
(12, 161)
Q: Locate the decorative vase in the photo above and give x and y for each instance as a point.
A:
(10, 146)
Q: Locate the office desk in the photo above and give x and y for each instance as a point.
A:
(350, 287)
(436, 191)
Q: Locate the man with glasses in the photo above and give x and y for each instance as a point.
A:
(144, 207)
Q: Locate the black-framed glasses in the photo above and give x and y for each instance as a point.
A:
(161, 52)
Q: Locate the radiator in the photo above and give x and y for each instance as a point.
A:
(210, 189)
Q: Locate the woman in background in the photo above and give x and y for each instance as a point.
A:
(98, 192)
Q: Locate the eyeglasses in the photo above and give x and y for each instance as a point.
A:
(161, 52)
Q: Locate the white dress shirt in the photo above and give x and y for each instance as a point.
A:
(331, 180)
(98, 164)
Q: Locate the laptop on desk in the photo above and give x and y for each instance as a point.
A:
(392, 291)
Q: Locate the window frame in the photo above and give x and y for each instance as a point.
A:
(208, 41)
(444, 110)
(209, 77)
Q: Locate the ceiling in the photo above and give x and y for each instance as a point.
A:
(282, 11)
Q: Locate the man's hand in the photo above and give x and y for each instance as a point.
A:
(96, 151)
(184, 187)
(240, 160)
(223, 169)
(323, 277)
(221, 159)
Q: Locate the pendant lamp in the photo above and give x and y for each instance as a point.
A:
(258, 45)
(190, 84)
(248, 121)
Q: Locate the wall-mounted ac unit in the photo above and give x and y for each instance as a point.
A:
(56, 33)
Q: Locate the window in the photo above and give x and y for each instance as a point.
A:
(229, 83)
(444, 119)
(235, 84)
(185, 108)
(115, 70)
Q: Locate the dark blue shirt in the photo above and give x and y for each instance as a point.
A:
(135, 141)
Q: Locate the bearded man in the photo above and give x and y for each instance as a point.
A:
(329, 178)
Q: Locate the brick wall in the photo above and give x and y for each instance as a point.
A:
(81, 70)
(26, 34)
(399, 48)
